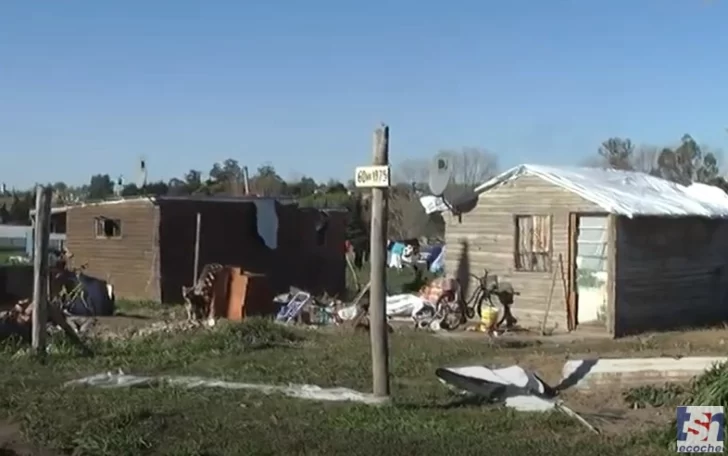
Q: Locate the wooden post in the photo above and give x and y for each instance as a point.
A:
(378, 279)
(352, 270)
(246, 180)
(40, 267)
(197, 249)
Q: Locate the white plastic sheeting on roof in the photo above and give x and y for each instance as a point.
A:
(708, 192)
(625, 192)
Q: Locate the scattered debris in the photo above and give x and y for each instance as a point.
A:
(292, 308)
(311, 392)
(401, 305)
(17, 321)
(298, 306)
(18, 314)
(512, 386)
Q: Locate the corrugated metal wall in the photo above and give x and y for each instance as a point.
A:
(670, 273)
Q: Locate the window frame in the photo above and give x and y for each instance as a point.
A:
(518, 255)
(99, 227)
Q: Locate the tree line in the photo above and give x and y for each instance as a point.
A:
(407, 218)
(683, 163)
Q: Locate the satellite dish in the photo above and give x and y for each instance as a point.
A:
(141, 181)
(457, 198)
(462, 201)
(440, 174)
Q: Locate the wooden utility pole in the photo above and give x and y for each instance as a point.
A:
(246, 180)
(378, 279)
(196, 266)
(41, 237)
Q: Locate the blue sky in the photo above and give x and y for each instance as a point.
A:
(89, 86)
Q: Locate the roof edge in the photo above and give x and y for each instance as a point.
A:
(608, 203)
(525, 169)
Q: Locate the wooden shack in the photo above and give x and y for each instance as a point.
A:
(612, 251)
(145, 247)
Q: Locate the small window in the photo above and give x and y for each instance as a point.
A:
(533, 243)
(107, 228)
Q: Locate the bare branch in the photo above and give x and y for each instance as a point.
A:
(472, 166)
(645, 158)
(407, 217)
(415, 170)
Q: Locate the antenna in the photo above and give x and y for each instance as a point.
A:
(440, 174)
(141, 172)
(119, 187)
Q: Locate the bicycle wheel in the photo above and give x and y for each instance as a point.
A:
(505, 299)
(449, 309)
(475, 304)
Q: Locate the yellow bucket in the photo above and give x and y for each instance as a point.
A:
(488, 318)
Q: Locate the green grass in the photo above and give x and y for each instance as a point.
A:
(163, 420)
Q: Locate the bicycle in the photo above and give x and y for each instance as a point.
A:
(71, 287)
(454, 310)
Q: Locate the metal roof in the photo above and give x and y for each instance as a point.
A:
(625, 193)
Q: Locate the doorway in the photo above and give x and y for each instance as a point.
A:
(588, 269)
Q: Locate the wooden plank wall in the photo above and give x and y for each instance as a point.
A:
(127, 262)
(489, 233)
(670, 273)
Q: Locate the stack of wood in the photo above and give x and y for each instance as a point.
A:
(19, 314)
(18, 320)
(361, 320)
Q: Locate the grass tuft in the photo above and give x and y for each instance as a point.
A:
(710, 388)
(669, 395)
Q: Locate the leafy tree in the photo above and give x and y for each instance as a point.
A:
(334, 186)
(267, 182)
(20, 208)
(4, 214)
(100, 187)
(617, 153)
(357, 228)
(193, 181)
(687, 163)
(130, 190)
(684, 164)
(225, 177)
(158, 188)
(325, 201)
(306, 186)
